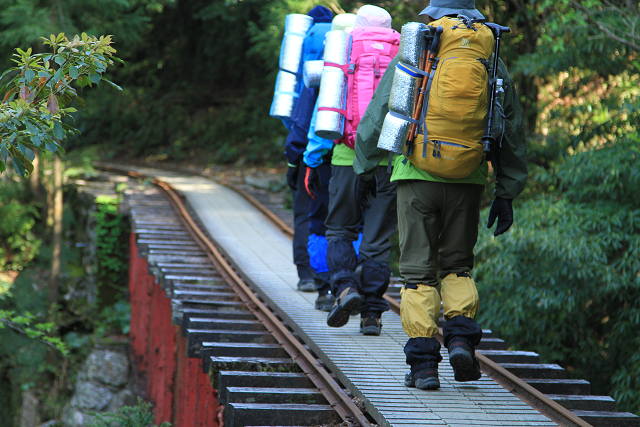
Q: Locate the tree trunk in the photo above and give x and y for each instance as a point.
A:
(57, 231)
(38, 191)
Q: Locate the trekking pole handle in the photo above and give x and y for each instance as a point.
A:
(436, 40)
(497, 30)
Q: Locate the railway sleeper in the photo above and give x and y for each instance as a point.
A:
(247, 414)
(228, 349)
(178, 307)
(608, 419)
(195, 338)
(251, 364)
(535, 370)
(510, 356)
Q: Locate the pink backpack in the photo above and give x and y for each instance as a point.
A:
(372, 49)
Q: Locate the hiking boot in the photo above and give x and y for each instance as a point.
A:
(464, 362)
(307, 285)
(325, 302)
(348, 301)
(424, 379)
(370, 326)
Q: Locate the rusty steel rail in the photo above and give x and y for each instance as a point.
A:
(321, 378)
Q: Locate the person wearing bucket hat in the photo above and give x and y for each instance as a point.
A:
(438, 217)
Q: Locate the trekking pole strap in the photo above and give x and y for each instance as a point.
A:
(403, 117)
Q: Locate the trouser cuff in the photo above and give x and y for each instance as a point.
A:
(422, 350)
(462, 328)
(344, 279)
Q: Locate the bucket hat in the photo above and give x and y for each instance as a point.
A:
(372, 16)
(439, 8)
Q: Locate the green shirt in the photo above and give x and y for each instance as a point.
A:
(344, 156)
(512, 158)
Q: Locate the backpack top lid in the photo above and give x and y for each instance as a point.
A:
(459, 41)
(321, 14)
(343, 21)
(372, 16)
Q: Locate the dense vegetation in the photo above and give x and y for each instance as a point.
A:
(565, 281)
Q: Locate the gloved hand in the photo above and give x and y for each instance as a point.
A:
(503, 210)
(363, 188)
(292, 176)
(312, 181)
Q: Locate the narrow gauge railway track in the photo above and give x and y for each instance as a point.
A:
(248, 351)
(501, 369)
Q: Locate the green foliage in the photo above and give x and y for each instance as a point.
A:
(28, 325)
(18, 243)
(38, 95)
(114, 318)
(140, 415)
(573, 261)
(112, 233)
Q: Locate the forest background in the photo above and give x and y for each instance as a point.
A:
(197, 87)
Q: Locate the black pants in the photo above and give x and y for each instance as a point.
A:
(301, 228)
(345, 221)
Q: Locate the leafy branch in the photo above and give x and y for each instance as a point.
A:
(37, 97)
(630, 22)
(26, 324)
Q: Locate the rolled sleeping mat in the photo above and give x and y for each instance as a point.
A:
(412, 43)
(285, 96)
(394, 133)
(404, 89)
(333, 90)
(312, 73)
(333, 86)
(295, 29)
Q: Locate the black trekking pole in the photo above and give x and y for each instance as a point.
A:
(487, 138)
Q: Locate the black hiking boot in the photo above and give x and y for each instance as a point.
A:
(464, 362)
(306, 285)
(347, 302)
(325, 302)
(424, 379)
(370, 325)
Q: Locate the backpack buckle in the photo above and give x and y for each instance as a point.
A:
(352, 69)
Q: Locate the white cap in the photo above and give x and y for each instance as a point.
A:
(343, 21)
(372, 16)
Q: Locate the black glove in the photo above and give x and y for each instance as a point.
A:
(503, 210)
(312, 181)
(363, 188)
(292, 176)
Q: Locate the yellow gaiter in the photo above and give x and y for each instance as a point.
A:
(459, 296)
(419, 311)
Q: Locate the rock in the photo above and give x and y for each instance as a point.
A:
(124, 398)
(108, 367)
(91, 396)
(75, 418)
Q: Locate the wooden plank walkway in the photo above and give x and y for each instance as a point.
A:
(371, 367)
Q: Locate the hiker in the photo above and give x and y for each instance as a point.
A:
(308, 213)
(438, 217)
(317, 158)
(359, 280)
